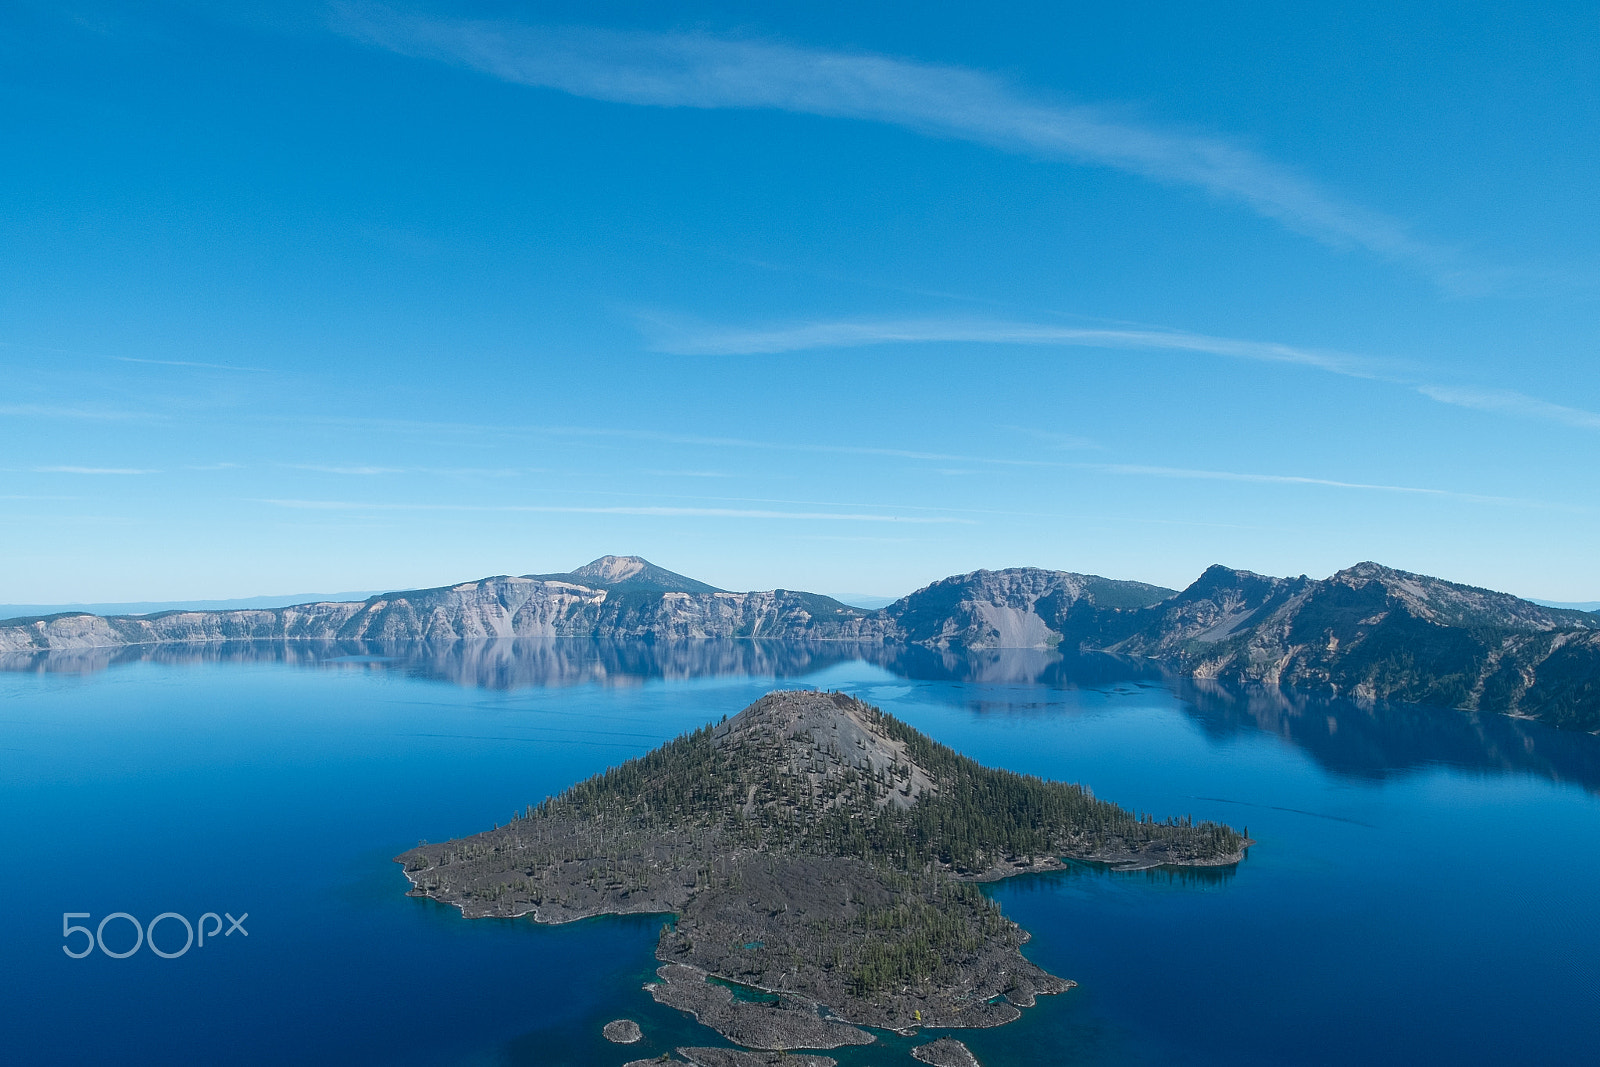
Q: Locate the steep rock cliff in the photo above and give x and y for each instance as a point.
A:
(1373, 632)
(1021, 607)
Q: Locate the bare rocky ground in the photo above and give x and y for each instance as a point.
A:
(945, 1052)
(786, 1021)
(819, 858)
(799, 915)
(732, 1057)
(729, 1057)
(621, 1031)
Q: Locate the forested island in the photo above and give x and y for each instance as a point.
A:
(819, 858)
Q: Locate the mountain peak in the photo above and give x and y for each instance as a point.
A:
(630, 573)
(853, 734)
(1369, 570)
(612, 568)
(1453, 604)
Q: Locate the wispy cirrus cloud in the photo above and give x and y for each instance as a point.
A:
(685, 474)
(186, 363)
(92, 470)
(855, 333)
(1191, 474)
(357, 470)
(1510, 402)
(990, 463)
(363, 470)
(700, 70)
(654, 511)
(676, 337)
(62, 411)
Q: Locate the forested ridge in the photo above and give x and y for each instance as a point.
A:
(811, 796)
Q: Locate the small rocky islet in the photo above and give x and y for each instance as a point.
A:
(621, 1032)
(820, 859)
(734, 1057)
(945, 1052)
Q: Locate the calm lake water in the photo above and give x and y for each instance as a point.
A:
(1424, 887)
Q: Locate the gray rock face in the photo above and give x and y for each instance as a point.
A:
(625, 601)
(1376, 633)
(305, 621)
(621, 1031)
(945, 1052)
(1022, 607)
(1450, 604)
(735, 1057)
(631, 572)
(626, 597)
(1219, 605)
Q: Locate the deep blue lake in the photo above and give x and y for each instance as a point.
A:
(1423, 889)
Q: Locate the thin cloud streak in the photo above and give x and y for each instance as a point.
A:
(853, 333)
(833, 503)
(1296, 479)
(774, 446)
(92, 470)
(685, 474)
(362, 470)
(703, 71)
(422, 426)
(1508, 402)
(865, 332)
(666, 512)
(51, 411)
(347, 470)
(940, 457)
(185, 363)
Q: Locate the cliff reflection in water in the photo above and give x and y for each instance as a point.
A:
(1377, 740)
(518, 663)
(1189, 878)
(1351, 739)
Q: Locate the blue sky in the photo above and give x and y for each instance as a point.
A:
(310, 296)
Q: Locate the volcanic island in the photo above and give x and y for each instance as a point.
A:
(820, 859)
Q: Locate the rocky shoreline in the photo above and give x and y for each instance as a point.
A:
(731, 1057)
(945, 1052)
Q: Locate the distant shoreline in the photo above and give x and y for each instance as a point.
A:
(1368, 632)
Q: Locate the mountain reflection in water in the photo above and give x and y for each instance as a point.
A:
(1353, 739)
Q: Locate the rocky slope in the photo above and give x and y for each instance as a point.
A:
(612, 597)
(1373, 632)
(1023, 607)
(627, 597)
